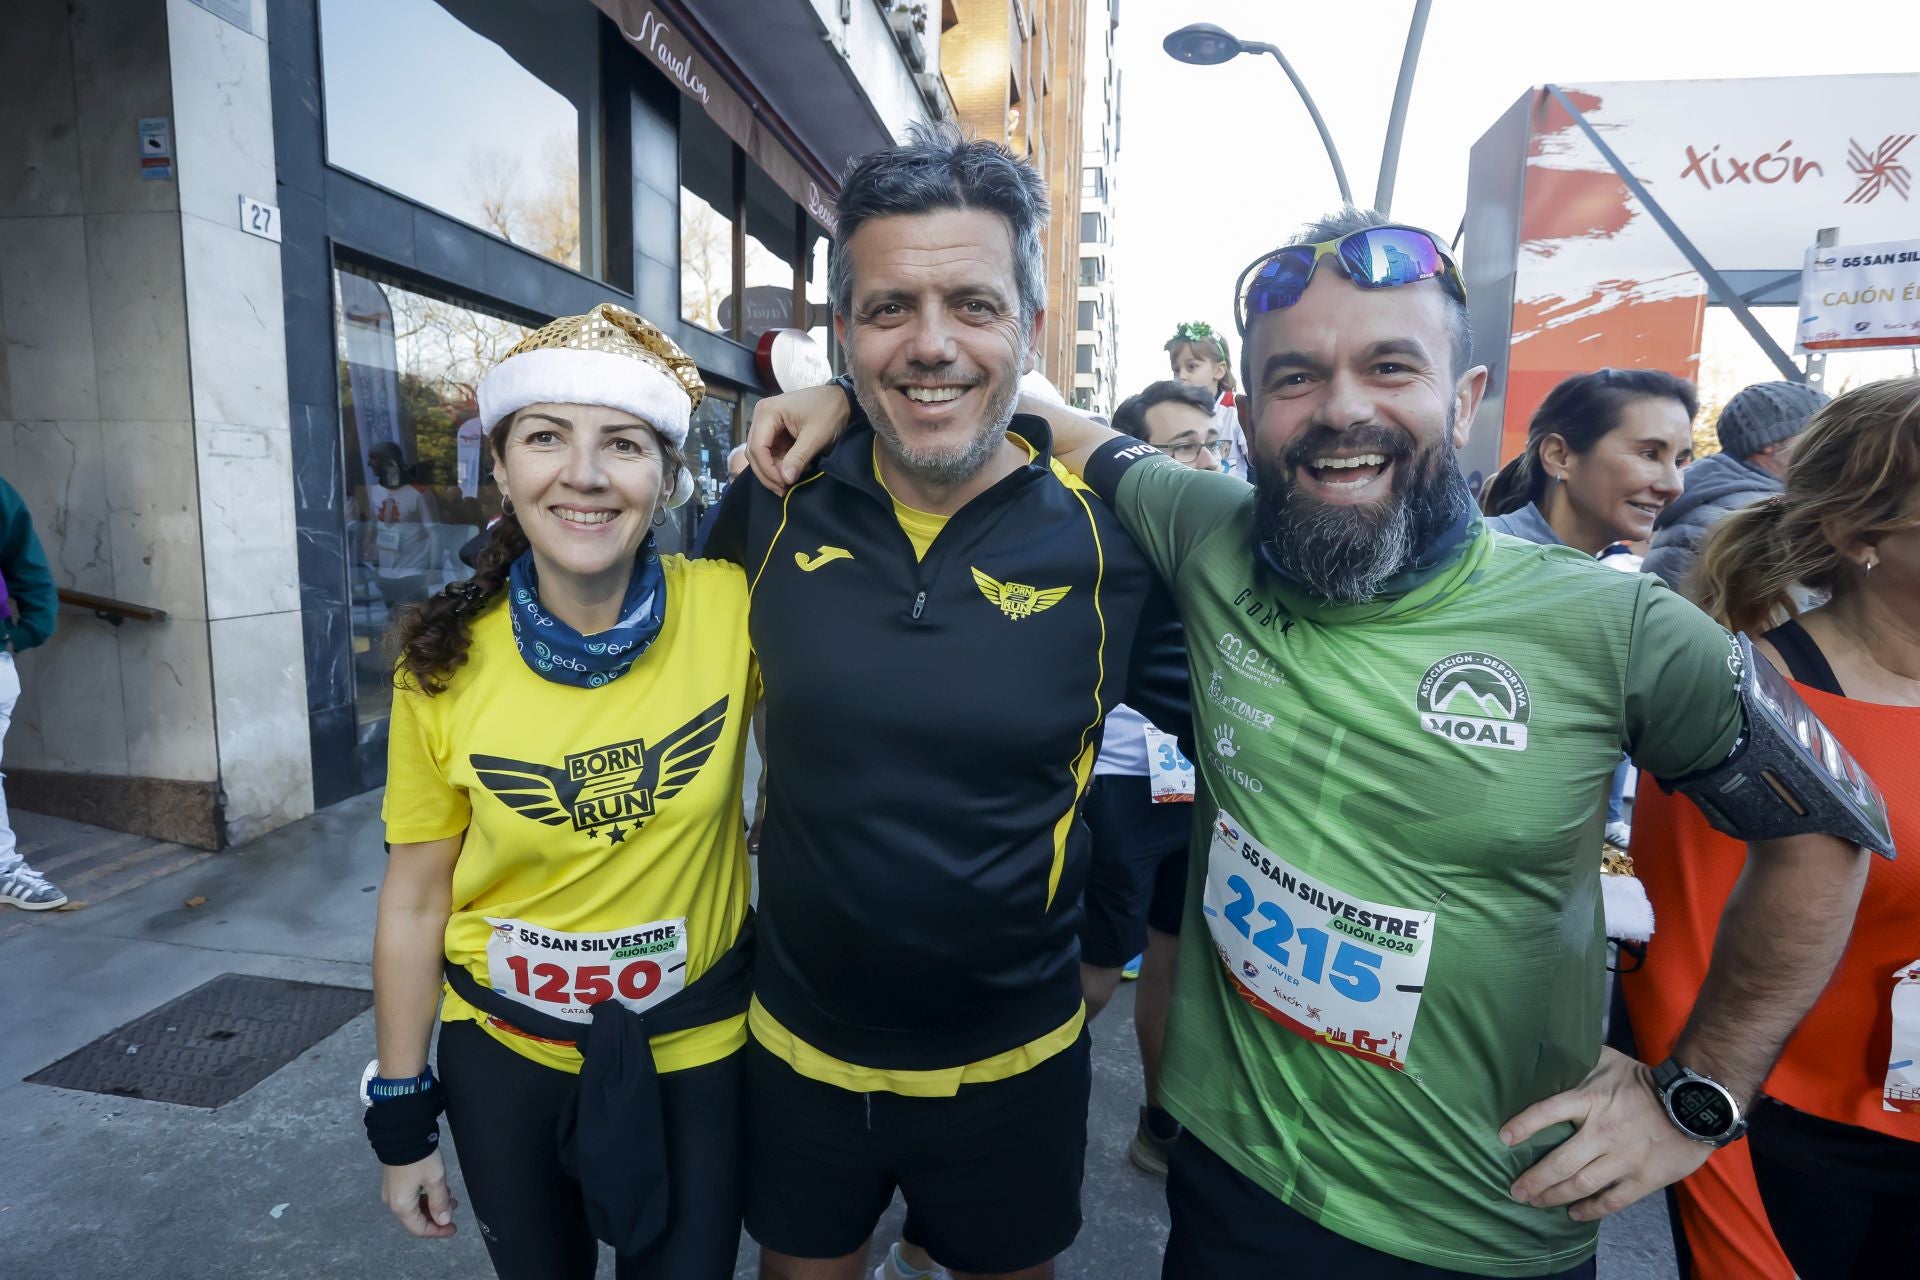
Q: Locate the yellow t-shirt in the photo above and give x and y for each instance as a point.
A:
(605, 853)
(922, 527)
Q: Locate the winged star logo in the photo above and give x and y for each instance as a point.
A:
(1016, 599)
(612, 786)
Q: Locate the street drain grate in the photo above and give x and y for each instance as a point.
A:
(211, 1045)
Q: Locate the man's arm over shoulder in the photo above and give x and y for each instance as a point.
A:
(1169, 509)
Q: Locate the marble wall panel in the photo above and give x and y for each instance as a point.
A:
(166, 678)
(260, 699)
(122, 76)
(318, 488)
(246, 520)
(153, 513)
(75, 722)
(236, 329)
(39, 147)
(59, 469)
(46, 321)
(323, 617)
(138, 302)
(222, 114)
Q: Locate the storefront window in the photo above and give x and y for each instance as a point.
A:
(473, 107)
(710, 436)
(819, 323)
(772, 226)
(419, 480)
(706, 220)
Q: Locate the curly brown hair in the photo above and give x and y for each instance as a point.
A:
(430, 637)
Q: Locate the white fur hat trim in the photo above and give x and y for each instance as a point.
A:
(561, 375)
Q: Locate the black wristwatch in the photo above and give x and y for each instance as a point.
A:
(1699, 1106)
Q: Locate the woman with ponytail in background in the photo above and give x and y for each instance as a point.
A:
(1603, 458)
(1832, 1162)
(563, 806)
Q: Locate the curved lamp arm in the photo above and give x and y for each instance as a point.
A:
(1333, 154)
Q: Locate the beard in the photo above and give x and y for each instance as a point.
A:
(938, 468)
(1346, 554)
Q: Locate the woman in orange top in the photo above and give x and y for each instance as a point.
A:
(1832, 1162)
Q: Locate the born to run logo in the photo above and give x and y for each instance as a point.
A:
(1477, 699)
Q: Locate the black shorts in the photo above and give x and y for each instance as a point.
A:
(1843, 1201)
(991, 1175)
(1226, 1224)
(1138, 873)
(503, 1112)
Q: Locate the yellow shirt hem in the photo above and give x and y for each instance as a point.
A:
(939, 1082)
(675, 1051)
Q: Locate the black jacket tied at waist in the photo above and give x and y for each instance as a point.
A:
(614, 1140)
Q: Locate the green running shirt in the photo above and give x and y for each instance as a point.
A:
(1393, 939)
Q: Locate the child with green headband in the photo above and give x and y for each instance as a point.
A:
(1198, 356)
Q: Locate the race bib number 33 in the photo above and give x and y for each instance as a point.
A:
(566, 974)
(1336, 969)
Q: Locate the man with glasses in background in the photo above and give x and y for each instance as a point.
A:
(1386, 1052)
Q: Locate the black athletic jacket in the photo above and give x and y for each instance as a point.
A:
(931, 728)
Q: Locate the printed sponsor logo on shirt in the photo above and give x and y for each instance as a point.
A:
(1476, 699)
(1239, 708)
(1244, 658)
(619, 786)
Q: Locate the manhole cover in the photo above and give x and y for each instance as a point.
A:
(212, 1044)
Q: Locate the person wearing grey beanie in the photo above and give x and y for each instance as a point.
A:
(1757, 430)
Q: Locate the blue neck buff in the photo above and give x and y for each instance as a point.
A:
(558, 653)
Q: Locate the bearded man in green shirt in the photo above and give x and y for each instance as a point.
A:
(1385, 1045)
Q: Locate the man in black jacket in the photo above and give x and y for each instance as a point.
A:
(944, 618)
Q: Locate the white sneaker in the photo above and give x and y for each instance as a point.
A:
(1620, 833)
(28, 889)
(896, 1268)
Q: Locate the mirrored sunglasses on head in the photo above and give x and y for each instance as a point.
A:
(1373, 258)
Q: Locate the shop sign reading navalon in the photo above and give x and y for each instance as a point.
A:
(647, 30)
(1863, 295)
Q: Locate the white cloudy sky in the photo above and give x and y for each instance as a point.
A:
(1218, 164)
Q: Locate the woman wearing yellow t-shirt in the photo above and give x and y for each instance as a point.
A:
(563, 803)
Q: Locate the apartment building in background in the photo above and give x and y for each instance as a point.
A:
(1096, 352)
(1015, 68)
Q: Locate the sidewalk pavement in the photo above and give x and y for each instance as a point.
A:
(279, 1184)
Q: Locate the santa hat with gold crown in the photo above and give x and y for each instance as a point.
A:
(609, 357)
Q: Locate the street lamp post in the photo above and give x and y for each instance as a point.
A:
(1203, 44)
(1397, 121)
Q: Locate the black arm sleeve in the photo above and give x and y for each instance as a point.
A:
(1157, 685)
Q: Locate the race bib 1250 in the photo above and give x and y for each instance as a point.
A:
(1339, 970)
(566, 974)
